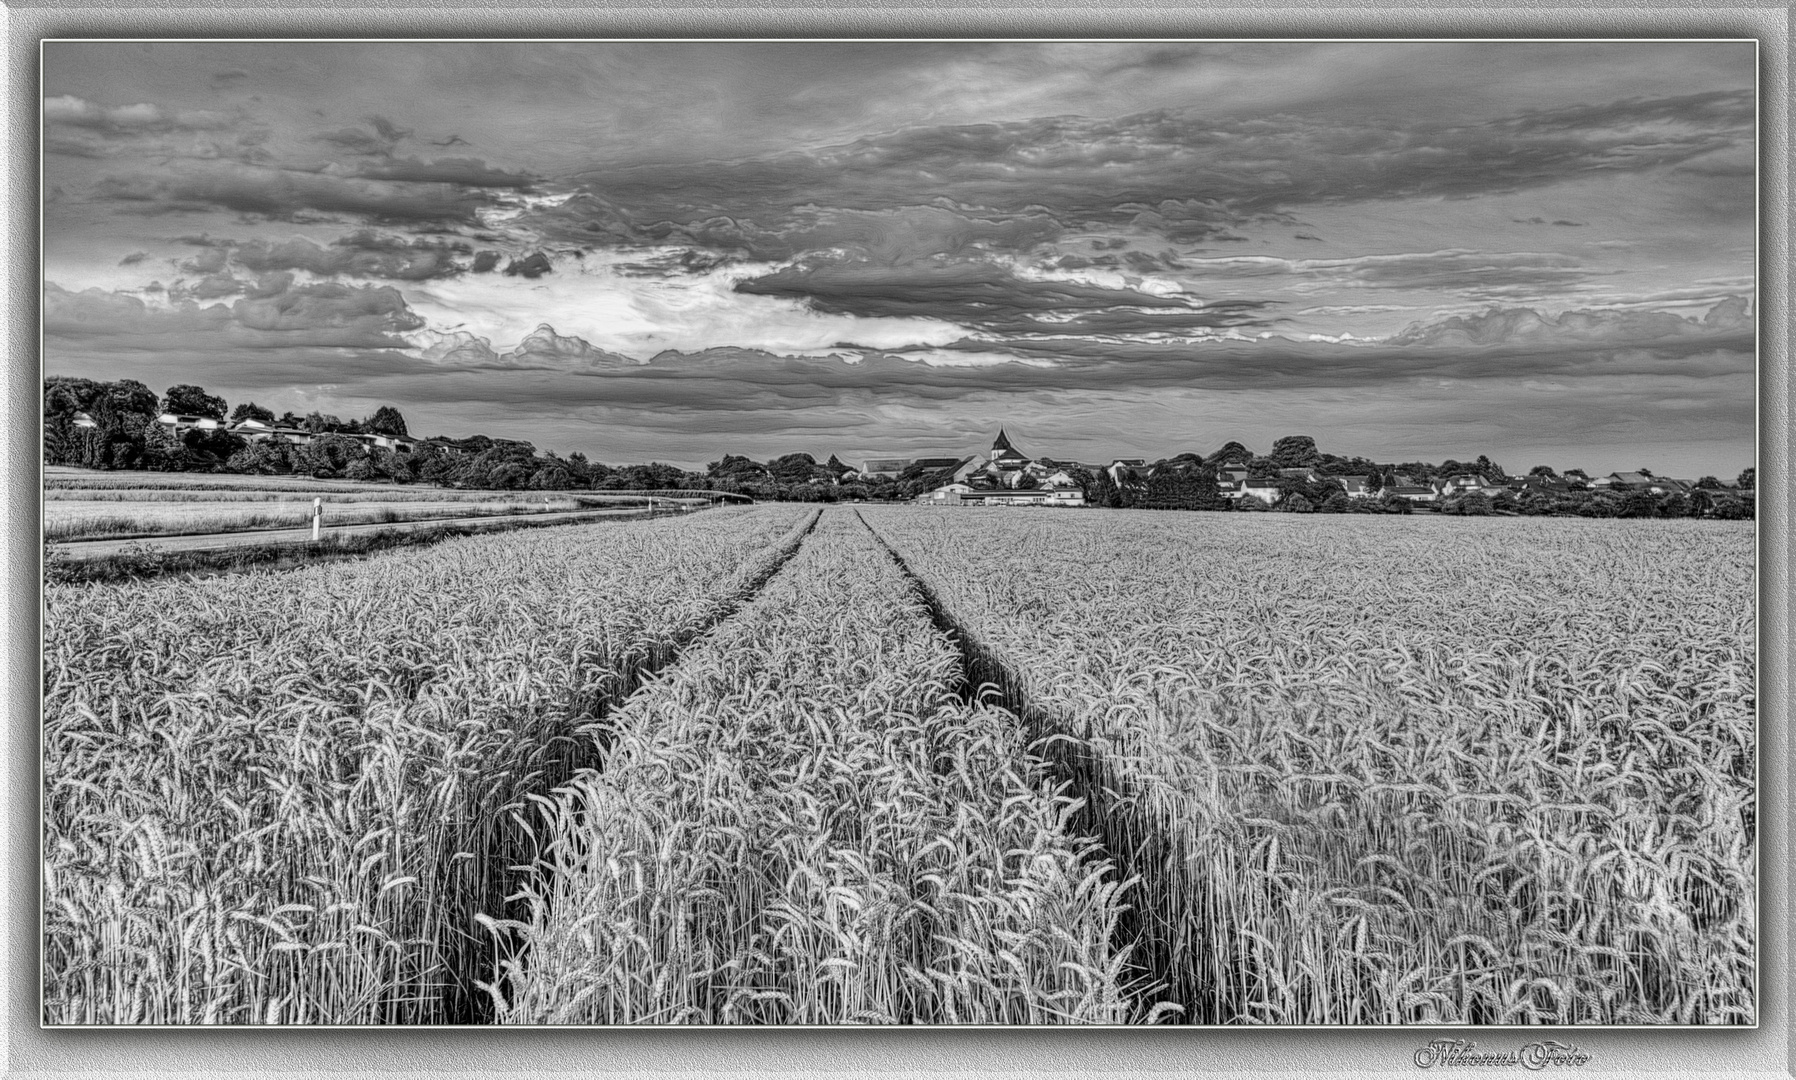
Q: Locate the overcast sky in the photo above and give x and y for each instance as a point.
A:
(1539, 251)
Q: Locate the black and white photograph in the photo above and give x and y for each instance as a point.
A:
(938, 532)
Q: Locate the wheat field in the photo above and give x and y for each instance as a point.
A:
(1373, 774)
(781, 766)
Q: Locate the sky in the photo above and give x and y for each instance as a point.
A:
(1539, 251)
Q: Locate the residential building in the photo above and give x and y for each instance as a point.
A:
(257, 431)
(180, 424)
(1265, 490)
(1415, 493)
(1024, 497)
(884, 466)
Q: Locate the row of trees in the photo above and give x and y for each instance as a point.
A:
(121, 431)
(114, 425)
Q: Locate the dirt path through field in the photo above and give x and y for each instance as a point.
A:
(96, 549)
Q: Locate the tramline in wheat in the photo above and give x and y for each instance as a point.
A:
(805, 824)
(1371, 775)
(280, 797)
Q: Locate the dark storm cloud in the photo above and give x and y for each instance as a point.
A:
(276, 315)
(981, 295)
(382, 140)
(1184, 176)
(471, 172)
(286, 195)
(364, 253)
(535, 266)
(1509, 346)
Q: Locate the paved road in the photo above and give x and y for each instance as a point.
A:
(94, 549)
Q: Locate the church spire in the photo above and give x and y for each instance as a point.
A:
(1003, 441)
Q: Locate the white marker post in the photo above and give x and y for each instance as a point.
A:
(317, 517)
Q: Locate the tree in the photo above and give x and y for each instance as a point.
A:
(1295, 504)
(1182, 489)
(1250, 504)
(1419, 471)
(326, 455)
(552, 477)
(1709, 483)
(1102, 491)
(1475, 504)
(161, 450)
(1748, 478)
(1337, 503)
(362, 468)
(1542, 470)
(1232, 453)
(792, 468)
(186, 400)
(1728, 508)
(736, 467)
(1638, 504)
(386, 421)
(249, 410)
(1396, 504)
(265, 457)
(1295, 452)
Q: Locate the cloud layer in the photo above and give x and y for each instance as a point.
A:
(873, 242)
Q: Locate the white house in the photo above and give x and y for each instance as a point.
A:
(257, 431)
(1415, 493)
(179, 423)
(1264, 490)
(946, 495)
(1025, 497)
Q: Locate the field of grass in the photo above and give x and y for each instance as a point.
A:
(94, 520)
(282, 797)
(805, 824)
(88, 505)
(738, 768)
(1385, 771)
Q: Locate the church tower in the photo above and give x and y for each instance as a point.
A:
(1005, 457)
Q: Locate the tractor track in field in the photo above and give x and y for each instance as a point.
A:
(986, 679)
(474, 957)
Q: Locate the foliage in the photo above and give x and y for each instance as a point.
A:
(1188, 488)
(1295, 452)
(187, 400)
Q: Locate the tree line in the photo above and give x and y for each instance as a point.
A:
(122, 432)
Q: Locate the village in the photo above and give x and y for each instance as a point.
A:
(1294, 475)
(1007, 477)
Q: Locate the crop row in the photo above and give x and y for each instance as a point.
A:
(803, 822)
(1376, 775)
(283, 797)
